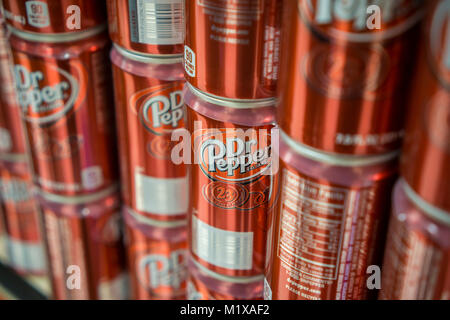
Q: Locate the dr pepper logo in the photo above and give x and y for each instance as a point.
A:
(164, 274)
(47, 92)
(230, 155)
(347, 19)
(160, 109)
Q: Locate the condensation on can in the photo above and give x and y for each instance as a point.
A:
(68, 114)
(417, 259)
(328, 225)
(86, 252)
(54, 17)
(157, 258)
(151, 27)
(231, 191)
(149, 108)
(344, 87)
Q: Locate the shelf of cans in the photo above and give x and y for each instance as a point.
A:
(240, 150)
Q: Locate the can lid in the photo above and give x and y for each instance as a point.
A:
(148, 58)
(152, 222)
(77, 200)
(57, 38)
(232, 103)
(429, 210)
(237, 280)
(334, 158)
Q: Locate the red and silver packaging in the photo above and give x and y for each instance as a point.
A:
(157, 258)
(12, 144)
(224, 43)
(206, 285)
(425, 162)
(417, 258)
(328, 225)
(52, 17)
(63, 89)
(84, 242)
(149, 107)
(231, 182)
(153, 27)
(22, 218)
(343, 82)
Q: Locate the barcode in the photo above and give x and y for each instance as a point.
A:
(158, 22)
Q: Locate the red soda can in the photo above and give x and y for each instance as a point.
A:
(153, 27)
(157, 258)
(417, 258)
(149, 107)
(328, 225)
(232, 182)
(26, 249)
(273, 10)
(344, 80)
(223, 47)
(52, 17)
(64, 92)
(206, 285)
(84, 241)
(425, 162)
(12, 143)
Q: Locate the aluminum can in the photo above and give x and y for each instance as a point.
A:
(329, 223)
(12, 144)
(67, 109)
(157, 258)
(50, 17)
(425, 163)
(22, 218)
(149, 107)
(84, 242)
(344, 85)
(231, 182)
(153, 27)
(206, 285)
(223, 50)
(417, 259)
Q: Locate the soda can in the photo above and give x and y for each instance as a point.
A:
(151, 27)
(22, 218)
(206, 285)
(84, 241)
(12, 144)
(223, 50)
(149, 107)
(345, 73)
(425, 162)
(417, 259)
(328, 225)
(49, 17)
(231, 182)
(157, 258)
(64, 93)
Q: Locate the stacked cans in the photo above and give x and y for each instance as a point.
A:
(417, 258)
(60, 51)
(20, 216)
(231, 67)
(340, 113)
(148, 81)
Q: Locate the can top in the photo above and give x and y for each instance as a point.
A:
(242, 112)
(345, 170)
(50, 17)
